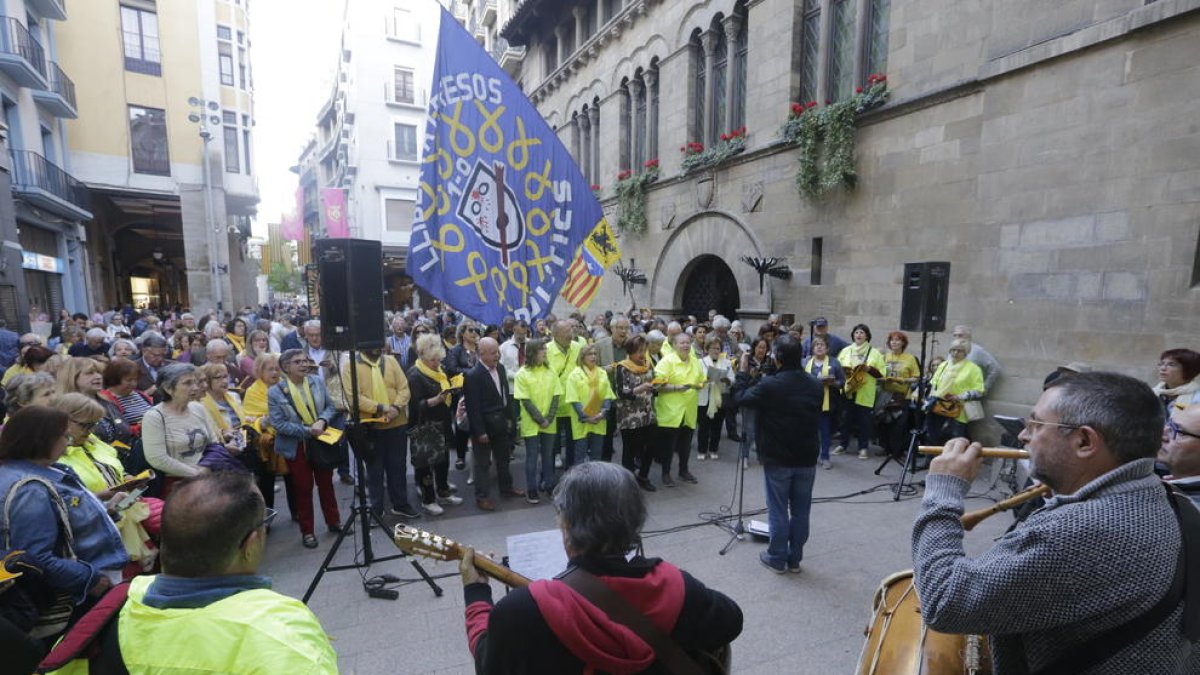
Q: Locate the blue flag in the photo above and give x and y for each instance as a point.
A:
(502, 209)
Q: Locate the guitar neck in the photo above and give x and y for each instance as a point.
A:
(499, 572)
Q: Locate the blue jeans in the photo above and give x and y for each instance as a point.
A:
(825, 431)
(749, 428)
(539, 447)
(388, 464)
(587, 449)
(789, 500)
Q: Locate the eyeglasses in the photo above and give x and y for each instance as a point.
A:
(85, 425)
(1177, 431)
(268, 517)
(1030, 423)
(470, 330)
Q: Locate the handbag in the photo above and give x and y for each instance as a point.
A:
(322, 455)
(427, 444)
(974, 410)
(53, 607)
(946, 408)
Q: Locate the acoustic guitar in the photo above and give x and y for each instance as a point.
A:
(436, 547)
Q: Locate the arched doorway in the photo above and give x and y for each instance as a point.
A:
(710, 284)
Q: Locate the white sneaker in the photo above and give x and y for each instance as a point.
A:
(450, 500)
(863, 454)
(558, 461)
(826, 464)
(745, 463)
(702, 456)
(433, 509)
(839, 450)
(712, 456)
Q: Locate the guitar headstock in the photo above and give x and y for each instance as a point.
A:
(425, 544)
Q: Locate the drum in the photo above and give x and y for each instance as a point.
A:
(899, 642)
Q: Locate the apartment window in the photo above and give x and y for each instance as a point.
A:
(243, 64)
(699, 73)
(139, 31)
(241, 37)
(402, 26)
(611, 7)
(398, 214)
(878, 21)
(12, 117)
(818, 255)
(246, 142)
(741, 54)
(148, 141)
(569, 45)
(550, 51)
(652, 93)
(810, 50)
(639, 124)
(225, 60)
(223, 33)
(841, 49)
(403, 90)
(233, 151)
(405, 147)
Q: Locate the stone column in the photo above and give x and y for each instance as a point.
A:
(575, 149)
(709, 40)
(580, 27)
(599, 15)
(585, 149)
(560, 43)
(733, 24)
(635, 88)
(651, 78)
(594, 118)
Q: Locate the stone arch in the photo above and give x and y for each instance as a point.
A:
(586, 94)
(700, 16)
(654, 48)
(715, 233)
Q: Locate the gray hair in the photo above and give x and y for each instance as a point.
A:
(1123, 410)
(720, 322)
(186, 315)
(97, 332)
(112, 350)
(21, 389)
(656, 336)
(213, 329)
(169, 376)
(215, 345)
(311, 323)
(960, 343)
(601, 508)
(152, 340)
(429, 344)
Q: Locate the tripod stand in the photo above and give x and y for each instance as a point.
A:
(737, 531)
(916, 432)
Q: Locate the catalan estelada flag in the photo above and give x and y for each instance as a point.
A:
(597, 253)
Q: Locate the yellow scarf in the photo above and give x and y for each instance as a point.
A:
(435, 375)
(379, 390)
(306, 406)
(256, 399)
(239, 343)
(946, 373)
(634, 368)
(821, 374)
(214, 411)
(111, 475)
(592, 408)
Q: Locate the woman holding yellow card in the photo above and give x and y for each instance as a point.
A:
(589, 394)
(261, 435)
(680, 376)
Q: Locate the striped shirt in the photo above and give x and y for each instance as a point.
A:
(134, 407)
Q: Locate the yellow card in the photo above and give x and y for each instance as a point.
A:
(332, 435)
(373, 420)
(119, 444)
(6, 575)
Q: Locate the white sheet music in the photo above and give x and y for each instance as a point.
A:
(537, 555)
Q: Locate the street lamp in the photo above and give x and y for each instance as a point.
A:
(200, 117)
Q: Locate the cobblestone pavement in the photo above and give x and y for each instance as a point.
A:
(811, 622)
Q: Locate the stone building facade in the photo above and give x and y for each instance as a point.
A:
(1049, 151)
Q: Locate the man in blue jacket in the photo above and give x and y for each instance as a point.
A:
(789, 407)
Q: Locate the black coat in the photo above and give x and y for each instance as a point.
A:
(485, 404)
(789, 408)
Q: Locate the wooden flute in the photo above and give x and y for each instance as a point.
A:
(970, 520)
(1002, 453)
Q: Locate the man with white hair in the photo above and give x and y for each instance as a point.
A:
(399, 341)
(311, 332)
(93, 345)
(980, 430)
(674, 328)
(217, 352)
(188, 321)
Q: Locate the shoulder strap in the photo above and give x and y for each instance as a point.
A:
(60, 509)
(1103, 646)
(112, 398)
(666, 650)
(90, 636)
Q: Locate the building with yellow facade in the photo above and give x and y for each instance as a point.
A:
(160, 86)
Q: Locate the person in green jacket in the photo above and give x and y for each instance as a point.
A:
(209, 611)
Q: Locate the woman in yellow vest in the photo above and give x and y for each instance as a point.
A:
(864, 366)
(262, 434)
(679, 376)
(538, 391)
(590, 395)
(956, 384)
(830, 373)
(99, 468)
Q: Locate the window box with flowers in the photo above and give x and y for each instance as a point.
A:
(826, 138)
(631, 197)
(696, 156)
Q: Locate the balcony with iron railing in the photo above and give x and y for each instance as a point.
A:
(45, 185)
(59, 98)
(49, 9)
(508, 56)
(487, 11)
(21, 55)
(402, 98)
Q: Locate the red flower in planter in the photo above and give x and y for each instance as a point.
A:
(651, 164)
(724, 137)
(858, 90)
(797, 108)
(595, 188)
(624, 174)
(811, 104)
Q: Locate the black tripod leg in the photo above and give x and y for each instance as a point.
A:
(738, 530)
(910, 459)
(312, 586)
(437, 590)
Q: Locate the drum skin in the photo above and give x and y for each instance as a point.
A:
(899, 642)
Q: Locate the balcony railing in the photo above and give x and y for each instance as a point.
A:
(417, 98)
(487, 11)
(21, 56)
(59, 96)
(45, 184)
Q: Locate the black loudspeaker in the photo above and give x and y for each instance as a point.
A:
(924, 298)
(351, 293)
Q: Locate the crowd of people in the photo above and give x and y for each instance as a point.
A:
(110, 415)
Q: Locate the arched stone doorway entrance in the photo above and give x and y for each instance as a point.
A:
(710, 284)
(721, 237)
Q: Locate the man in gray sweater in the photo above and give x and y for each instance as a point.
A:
(1058, 593)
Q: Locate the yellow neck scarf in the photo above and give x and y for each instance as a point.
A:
(239, 343)
(110, 474)
(215, 412)
(256, 399)
(379, 390)
(593, 404)
(436, 375)
(634, 368)
(946, 374)
(306, 406)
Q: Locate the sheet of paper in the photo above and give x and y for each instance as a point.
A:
(537, 555)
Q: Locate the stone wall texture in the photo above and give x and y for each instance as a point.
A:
(1049, 151)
